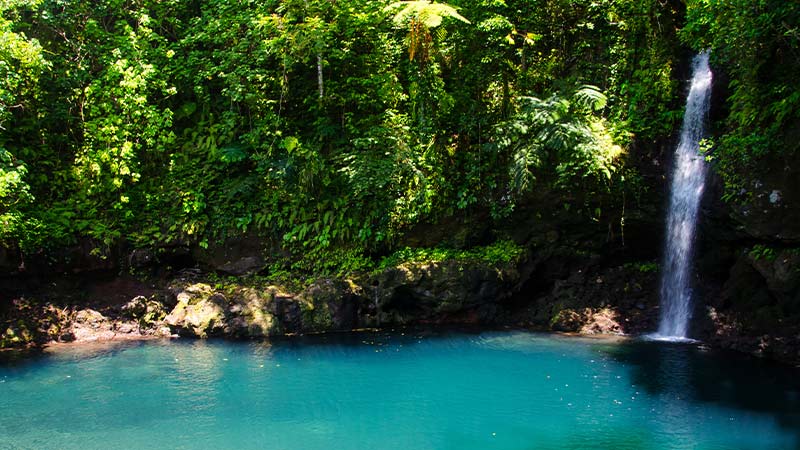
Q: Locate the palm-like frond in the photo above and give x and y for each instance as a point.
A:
(590, 98)
(426, 12)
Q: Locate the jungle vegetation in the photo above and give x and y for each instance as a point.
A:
(334, 126)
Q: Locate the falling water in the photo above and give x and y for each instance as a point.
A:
(688, 180)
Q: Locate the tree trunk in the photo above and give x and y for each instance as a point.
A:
(320, 83)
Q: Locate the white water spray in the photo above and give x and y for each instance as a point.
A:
(688, 181)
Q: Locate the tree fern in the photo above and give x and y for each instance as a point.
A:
(419, 17)
(428, 13)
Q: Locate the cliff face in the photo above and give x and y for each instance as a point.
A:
(445, 293)
(749, 266)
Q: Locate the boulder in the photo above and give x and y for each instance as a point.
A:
(89, 325)
(602, 321)
(199, 312)
(330, 305)
(148, 313)
(251, 313)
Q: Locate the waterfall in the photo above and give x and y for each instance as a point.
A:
(688, 180)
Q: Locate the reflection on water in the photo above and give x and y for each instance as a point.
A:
(404, 390)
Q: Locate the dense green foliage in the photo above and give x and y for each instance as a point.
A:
(500, 252)
(335, 127)
(757, 44)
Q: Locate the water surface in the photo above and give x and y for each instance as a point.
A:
(493, 390)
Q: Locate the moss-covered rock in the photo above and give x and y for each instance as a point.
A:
(28, 322)
(147, 312)
(330, 305)
(252, 313)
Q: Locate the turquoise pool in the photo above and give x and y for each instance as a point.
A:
(398, 390)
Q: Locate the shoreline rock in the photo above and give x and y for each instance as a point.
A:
(587, 299)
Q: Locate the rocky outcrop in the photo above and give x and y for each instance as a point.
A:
(449, 292)
(441, 292)
(780, 270)
(200, 312)
(757, 308)
(554, 290)
(749, 265)
(260, 311)
(29, 323)
(423, 293)
(596, 300)
(333, 305)
(25, 322)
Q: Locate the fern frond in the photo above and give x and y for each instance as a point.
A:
(428, 13)
(590, 98)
